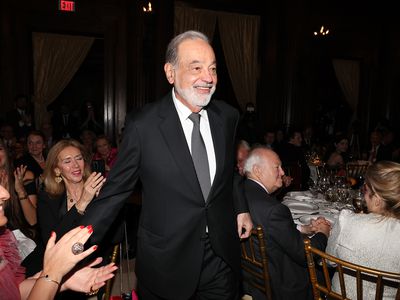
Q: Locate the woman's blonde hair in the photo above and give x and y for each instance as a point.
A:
(53, 188)
(383, 179)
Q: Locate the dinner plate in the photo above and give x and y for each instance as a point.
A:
(300, 207)
(306, 219)
(298, 193)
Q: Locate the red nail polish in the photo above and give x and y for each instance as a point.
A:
(52, 233)
(89, 227)
(90, 230)
(95, 247)
(81, 227)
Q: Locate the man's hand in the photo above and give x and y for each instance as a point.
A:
(244, 223)
(321, 225)
(287, 180)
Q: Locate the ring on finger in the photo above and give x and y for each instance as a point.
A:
(77, 248)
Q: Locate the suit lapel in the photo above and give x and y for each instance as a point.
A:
(171, 129)
(217, 128)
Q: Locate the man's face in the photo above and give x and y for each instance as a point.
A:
(375, 138)
(21, 103)
(195, 75)
(36, 144)
(296, 140)
(7, 132)
(242, 154)
(269, 138)
(271, 171)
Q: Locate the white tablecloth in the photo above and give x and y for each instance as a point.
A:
(304, 206)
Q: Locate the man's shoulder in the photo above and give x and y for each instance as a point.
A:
(255, 193)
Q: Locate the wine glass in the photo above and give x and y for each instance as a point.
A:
(358, 202)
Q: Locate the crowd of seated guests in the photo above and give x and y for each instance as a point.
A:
(56, 202)
(368, 239)
(50, 182)
(42, 172)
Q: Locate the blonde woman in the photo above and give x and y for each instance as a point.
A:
(68, 188)
(371, 239)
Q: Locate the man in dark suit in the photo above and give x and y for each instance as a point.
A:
(188, 243)
(21, 117)
(284, 241)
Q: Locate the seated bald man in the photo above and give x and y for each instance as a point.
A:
(284, 241)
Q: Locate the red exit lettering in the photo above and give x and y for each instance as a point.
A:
(66, 5)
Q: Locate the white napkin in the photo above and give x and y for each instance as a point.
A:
(25, 244)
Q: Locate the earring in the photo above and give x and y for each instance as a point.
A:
(58, 177)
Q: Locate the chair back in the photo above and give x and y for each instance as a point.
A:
(110, 282)
(381, 279)
(356, 169)
(255, 262)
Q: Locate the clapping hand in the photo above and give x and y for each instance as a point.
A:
(89, 279)
(19, 174)
(287, 180)
(60, 257)
(93, 184)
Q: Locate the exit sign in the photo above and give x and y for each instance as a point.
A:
(64, 5)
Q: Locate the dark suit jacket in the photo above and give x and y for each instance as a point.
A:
(285, 247)
(52, 216)
(13, 117)
(174, 214)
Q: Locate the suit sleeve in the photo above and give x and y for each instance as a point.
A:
(239, 197)
(120, 183)
(284, 233)
(240, 203)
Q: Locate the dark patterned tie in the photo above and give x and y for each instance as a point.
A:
(199, 156)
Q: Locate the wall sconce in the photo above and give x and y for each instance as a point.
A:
(148, 9)
(322, 31)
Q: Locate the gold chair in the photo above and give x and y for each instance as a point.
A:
(110, 282)
(355, 169)
(362, 274)
(255, 262)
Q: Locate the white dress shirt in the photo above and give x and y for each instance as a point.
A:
(184, 112)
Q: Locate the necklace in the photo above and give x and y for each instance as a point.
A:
(69, 198)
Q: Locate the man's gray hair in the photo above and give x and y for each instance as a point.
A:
(254, 158)
(171, 55)
(244, 144)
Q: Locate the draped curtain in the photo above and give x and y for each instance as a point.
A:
(195, 19)
(239, 36)
(56, 58)
(348, 74)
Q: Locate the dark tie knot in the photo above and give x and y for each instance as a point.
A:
(195, 118)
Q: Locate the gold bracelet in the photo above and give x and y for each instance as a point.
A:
(92, 292)
(47, 278)
(23, 198)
